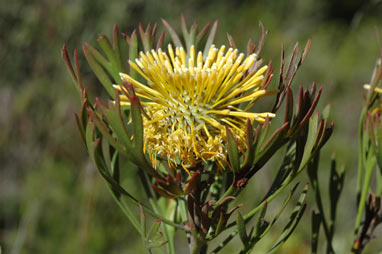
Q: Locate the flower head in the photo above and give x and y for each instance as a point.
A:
(189, 100)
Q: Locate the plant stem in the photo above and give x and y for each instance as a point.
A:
(360, 152)
(320, 207)
(229, 192)
(126, 210)
(253, 212)
(168, 230)
(365, 188)
(312, 173)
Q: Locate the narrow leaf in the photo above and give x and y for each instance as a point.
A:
(312, 132)
(242, 231)
(116, 49)
(293, 221)
(316, 222)
(113, 58)
(133, 53)
(210, 39)
(69, 66)
(284, 205)
(233, 151)
(99, 71)
(105, 132)
(259, 229)
(136, 117)
(154, 230)
(174, 36)
(203, 32)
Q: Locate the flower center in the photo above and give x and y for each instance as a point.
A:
(188, 115)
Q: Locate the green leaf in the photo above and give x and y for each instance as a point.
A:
(233, 151)
(220, 225)
(80, 128)
(82, 119)
(174, 36)
(336, 184)
(294, 219)
(115, 170)
(156, 244)
(125, 208)
(259, 229)
(99, 71)
(378, 152)
(138, 154)
(101, 59)
(160, 41)
(251, 144)
(143, 221)
(202, 33)
(369, 168)
(210, 39)
(69, 67)
(95, 152)
(105, 132)
(133, 53)
(262, 136)
(145, 37)
(90, 128)
(164, 193)
(284, 171)
(112, 63)
(326, 112)
(96, 155)
(118, 190)
(137, 123)
(265, 151)
(313, 121)
(186, 35)
(113, 56)
(242, 232)
(153, 233)
(117, 122)
(105, 146)
(284, 205)
(289, 106)
(316, 222)
(116, 48)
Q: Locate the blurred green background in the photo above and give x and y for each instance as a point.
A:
(52, 200)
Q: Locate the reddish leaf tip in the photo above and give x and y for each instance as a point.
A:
(101, 37)
(85, 47)
(64, 49)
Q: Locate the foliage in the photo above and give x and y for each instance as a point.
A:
(370, 137)
(39, 143)
(111, 131)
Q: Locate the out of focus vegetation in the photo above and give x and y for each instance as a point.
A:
(51, 197)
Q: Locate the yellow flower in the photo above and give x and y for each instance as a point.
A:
(189, 100)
